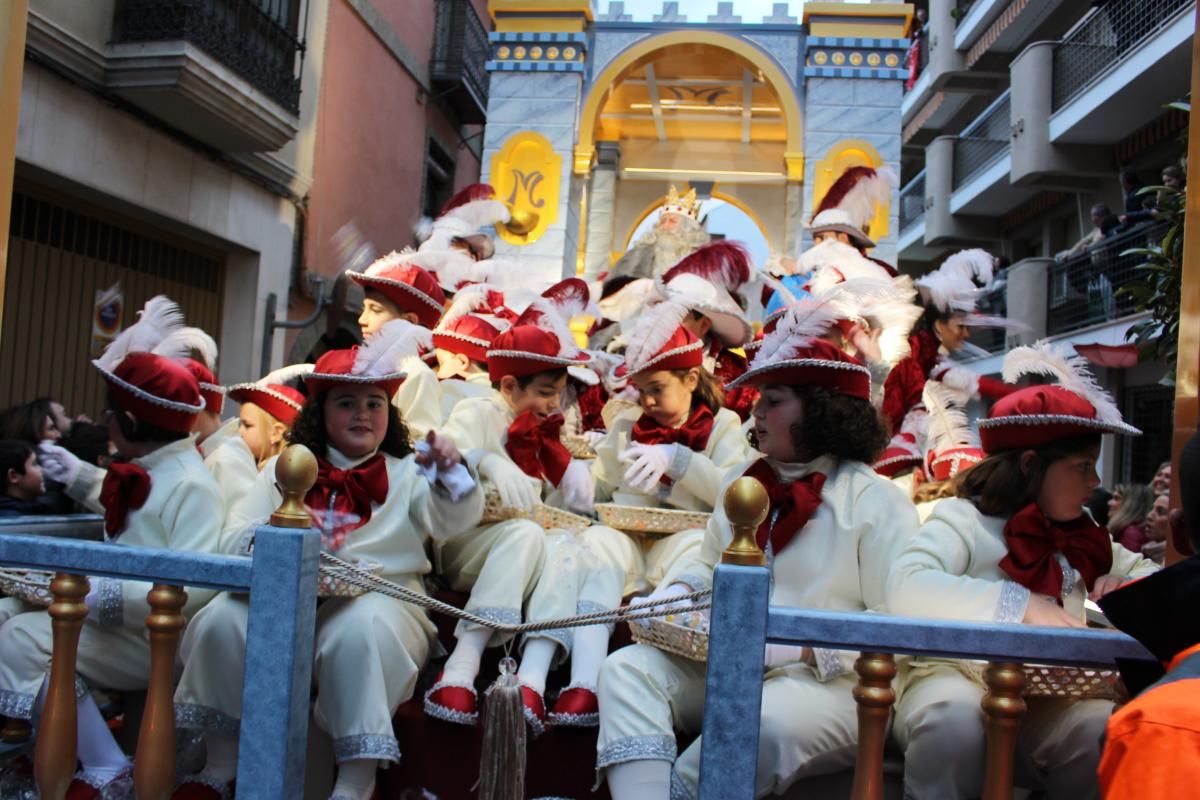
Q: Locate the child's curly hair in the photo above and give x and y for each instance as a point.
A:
(837, 425)
(309, 430)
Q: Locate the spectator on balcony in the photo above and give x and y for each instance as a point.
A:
(1103, 223)
(1127, 510)
(1147, 208)
(1150, 744)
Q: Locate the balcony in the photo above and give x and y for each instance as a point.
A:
(912, 202)
(982, 143)
(1118, 67)
(1082, 291)
(224, 71)
(460, 52)
(992, 303)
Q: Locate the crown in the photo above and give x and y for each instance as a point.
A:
(684, 204)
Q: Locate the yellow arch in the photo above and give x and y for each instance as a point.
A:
(585, 149)
(717, 194)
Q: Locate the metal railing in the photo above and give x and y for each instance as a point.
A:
(912, 201)
(458, 67)
(1082, 290)
(983, 141)
(743, 622)
(260, 40)
(1104, 37)
(992, 303)
(282, 581)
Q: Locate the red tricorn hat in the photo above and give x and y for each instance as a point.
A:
(410, 287)
(273, 393)
(375, 362)
(1038, 415)
(212, 392)
(658, 341)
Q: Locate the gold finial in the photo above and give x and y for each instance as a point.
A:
(746, 506)
(295, 472)
(521, 221)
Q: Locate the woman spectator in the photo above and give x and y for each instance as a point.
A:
(1161, 483)
(1128, 509)
(1156, 529)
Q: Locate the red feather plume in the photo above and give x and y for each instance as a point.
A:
(476, 191)
(842, 186)
(725, 263)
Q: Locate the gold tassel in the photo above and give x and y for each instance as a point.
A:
(502, 766)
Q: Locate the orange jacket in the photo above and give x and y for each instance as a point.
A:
(1152, 745)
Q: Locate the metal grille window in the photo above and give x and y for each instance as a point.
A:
(260, 40)
(460, 52)
(983, 141)
(1104, 37)
(1152, 409)
(1083, 290)
(59, 258)
(912, 201)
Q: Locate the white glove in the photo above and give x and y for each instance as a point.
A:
(515, 487)
(959, 379)
(578, 488)
(664, 594)
(594, 438)
(59, 463)
(650, 463)
(779, 654)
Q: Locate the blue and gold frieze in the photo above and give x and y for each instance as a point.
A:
(537, 51)
(855, 57)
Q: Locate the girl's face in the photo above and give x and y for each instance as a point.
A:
(666, 398)
(778, 409)
(356, 418)
(1162, 480)
(1115, 501)
(1067, 484)
(1156, 520)
(261, 432)
(952, 333)
(47, 430)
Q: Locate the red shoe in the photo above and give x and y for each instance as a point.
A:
(534, 709)
(202, 787)
(577, 707)
(86, 786)
(452, 702)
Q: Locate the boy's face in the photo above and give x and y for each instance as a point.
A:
(377, 311)
(542, 395)
(29, 486)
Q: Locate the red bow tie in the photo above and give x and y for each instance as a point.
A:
(792, 504)
(341, 499)
(536, 446)
(693, 434)
(1033, 540)
(126, 485)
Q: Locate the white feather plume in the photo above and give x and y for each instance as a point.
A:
(975, 264)
(626, 303)
(478, 214)
(652, 329)
(285, 375)
(867, 195)
(510, 274)
(958, 283)
(157, 320)
(182, 343)
(806, 320)
(832, 262)
(948, 424)
(383, 353)
(470, 300)
(543, 314)
(1071, 371)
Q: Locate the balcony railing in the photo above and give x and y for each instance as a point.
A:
(1083, 290)
(983, 141)
(992, 303)
(1103, 38)
(458, 67)
(260, 40)
(912, 201)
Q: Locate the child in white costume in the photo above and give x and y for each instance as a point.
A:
(399, 286)
(1015, 546)
(161, 496)
(461, 340)
(517, 431)
(225, 454)
(374, 499)
(833, 531)
(671, 451)
(269, 407)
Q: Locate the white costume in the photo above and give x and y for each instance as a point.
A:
(369, 650)
(418, 398)
(230, 461)
(951, 569)
(838, 561)
(182, 512)
(454, 390)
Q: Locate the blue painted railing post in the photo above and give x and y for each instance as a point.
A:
(279, 655)
(737, 631)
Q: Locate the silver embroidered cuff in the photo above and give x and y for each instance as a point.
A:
(15, 705)
(110, 602)
(197, 717)
(679, 463)
(699, 583)
(81, 687)
(366, 745)
(1070, 576)
(504, 616)
(637, 748)
(1014, 599)
(560, 636)
(679, 789)
(829, 663)
(592, 607)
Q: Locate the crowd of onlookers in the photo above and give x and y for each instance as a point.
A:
(22, 428)
(1136, 513)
